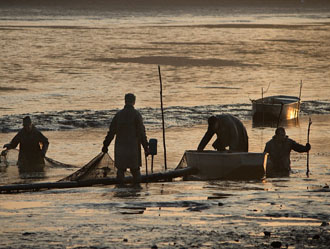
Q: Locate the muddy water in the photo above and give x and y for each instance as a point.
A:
(70, 68)
(211, 214)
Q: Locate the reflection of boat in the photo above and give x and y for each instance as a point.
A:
(225, 165)
(275, 123)
(279, 107)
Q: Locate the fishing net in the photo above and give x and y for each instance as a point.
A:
(8, 158)
(183, 162)
(100, 166)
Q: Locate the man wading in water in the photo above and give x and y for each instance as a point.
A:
(31, 156)
(279, 148)
(128, 127)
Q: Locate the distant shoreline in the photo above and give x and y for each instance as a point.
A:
(110, 4)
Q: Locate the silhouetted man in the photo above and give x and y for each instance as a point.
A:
(230, 132)
(31, 155)
(129, 129)
(279, 148)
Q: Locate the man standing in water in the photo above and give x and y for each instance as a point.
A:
(31, 156)
(130, 133)
(279, 148)
(230, 132)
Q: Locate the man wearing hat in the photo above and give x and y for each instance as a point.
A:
(31, 155)
(127, 125)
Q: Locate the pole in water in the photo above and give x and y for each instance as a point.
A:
(163, 123)
(152, 163)
(299, 96)
(146, 157)
(279, 116)
(308, 131)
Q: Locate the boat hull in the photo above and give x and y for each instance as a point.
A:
(224, 165)
(276, 108)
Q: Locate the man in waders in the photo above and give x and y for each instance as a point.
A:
(130, 133)
(230, 132)
(31, 156)
(279, 148)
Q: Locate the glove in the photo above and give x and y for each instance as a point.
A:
(105, 149)
(7, 146)
(308, 147)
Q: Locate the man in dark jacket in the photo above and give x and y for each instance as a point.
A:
(31, 156)
(128, 127)
(279, 148)
(230, 132)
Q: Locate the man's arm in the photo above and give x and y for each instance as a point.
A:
(111, 134)
(142, 133)
(45, 143)
(206, 138)
(14, 142)
(299, 147)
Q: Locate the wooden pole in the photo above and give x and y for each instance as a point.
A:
(279, 116)
(163, 123)
(299, 97)
(308, 131)
(152, 163)
(156, 177)
(146, 158)
(262, 102)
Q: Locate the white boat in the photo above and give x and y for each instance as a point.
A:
(225, 165)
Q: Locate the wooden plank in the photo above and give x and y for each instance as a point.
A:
(155, 177)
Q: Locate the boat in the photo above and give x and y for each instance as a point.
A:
(278, 107)
(227, 165)
(206, 165)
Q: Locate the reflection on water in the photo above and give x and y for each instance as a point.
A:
(275, 123)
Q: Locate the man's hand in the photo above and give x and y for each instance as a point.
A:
(105, 149)
(7, 146)
(308, 147)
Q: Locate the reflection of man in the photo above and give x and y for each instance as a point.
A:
(279, 148)
(31, 156)
(128, 127)
(230, 132)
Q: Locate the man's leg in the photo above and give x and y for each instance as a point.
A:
(121, 176)
(136, 175)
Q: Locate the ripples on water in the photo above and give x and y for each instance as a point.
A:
(175, 116)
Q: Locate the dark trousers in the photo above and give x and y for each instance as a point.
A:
(135, 173)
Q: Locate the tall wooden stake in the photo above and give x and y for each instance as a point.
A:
(308, 131)
(161, 106)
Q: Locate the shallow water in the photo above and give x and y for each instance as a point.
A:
(70, 70)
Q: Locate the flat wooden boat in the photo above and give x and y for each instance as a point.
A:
(225, 165)
(279, 107)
